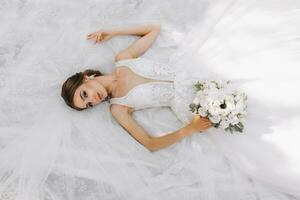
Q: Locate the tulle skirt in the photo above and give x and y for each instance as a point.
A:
(50, 152)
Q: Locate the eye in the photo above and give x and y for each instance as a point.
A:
(85, 94)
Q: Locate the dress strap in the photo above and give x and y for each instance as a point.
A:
(120, 101)
(126, 62)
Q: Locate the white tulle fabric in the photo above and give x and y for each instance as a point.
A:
(50, 152)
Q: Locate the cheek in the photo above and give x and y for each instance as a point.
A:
(102, 90)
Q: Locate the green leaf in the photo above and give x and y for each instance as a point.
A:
(192, 107)
(199, 86)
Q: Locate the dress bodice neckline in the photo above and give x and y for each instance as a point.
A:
(157, 88)
(154, 81)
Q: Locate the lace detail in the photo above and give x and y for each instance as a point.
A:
(149, 68)
(151, 94)
(183, 96)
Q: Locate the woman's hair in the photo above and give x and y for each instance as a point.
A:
(72, 83)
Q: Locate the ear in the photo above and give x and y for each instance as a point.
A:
(85, 78)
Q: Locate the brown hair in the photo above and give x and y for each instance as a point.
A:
(72, 83)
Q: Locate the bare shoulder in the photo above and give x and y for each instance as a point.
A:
(117, 110)
(123, 56)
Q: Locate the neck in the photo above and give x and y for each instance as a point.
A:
(108, 82)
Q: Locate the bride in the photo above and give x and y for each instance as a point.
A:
(87, 89)
(140, 98)
(137, 83)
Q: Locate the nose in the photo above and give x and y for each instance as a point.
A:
(93, 99)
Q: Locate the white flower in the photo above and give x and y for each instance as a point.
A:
(240, 96)
(204, 102)
(221, 103)
(224, 112)
(230, 106)
(233, 119)
(221, 97)
(229, 98)
(214, 107)
(215, 118)
(239, 107)
(224, 123)
(200, 94)
(203, 112)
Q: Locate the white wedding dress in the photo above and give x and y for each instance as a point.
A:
(173, 88)
(169, 87)
(49, 151)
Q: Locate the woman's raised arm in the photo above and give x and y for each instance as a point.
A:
(148, 35)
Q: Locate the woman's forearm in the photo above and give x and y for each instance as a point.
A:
(136, 30)
(169, 139)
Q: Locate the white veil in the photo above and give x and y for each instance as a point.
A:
(49, 151)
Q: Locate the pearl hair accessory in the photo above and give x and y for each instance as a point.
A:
(92, 77)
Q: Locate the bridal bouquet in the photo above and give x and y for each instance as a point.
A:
(225, 107)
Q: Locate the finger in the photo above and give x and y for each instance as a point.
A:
(209, 125)
(206, 124)
(93, 33)
(91, 36)
(100, 38)
(209, 122)
(206, 120)
(96, 39)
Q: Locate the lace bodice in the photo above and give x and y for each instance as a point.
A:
(158, 92)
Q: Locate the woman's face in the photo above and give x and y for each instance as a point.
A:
(89, 94)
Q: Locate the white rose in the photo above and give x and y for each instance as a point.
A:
(223, 124)
(221, 97)
(203, 102)
(215, 118)
(199, 93)
(239, 107)
(233, 119)
(230, 106)
(214, 108)
(203, 112)
(240, 96)
(229, 98)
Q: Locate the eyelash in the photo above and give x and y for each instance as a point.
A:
(85, 95)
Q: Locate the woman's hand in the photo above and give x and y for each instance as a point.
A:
(100, 36)
(199, 123)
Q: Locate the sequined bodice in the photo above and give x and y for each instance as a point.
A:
(158, 92)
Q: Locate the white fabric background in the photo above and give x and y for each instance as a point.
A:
(49, 151)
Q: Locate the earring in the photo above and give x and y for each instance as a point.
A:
(107, 98)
